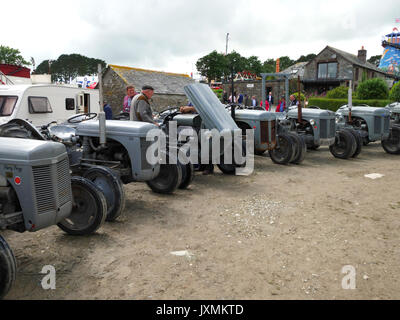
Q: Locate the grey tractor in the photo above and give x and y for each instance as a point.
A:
(37, 191)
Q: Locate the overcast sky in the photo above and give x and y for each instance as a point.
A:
(170, 35)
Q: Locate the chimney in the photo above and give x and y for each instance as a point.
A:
(362, 55)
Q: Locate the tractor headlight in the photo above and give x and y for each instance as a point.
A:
(339, 119)
(312, 122)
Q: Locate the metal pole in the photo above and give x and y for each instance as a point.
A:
(227, 38)
(233, 98)
(350, 99)
(299, 111)
(100, 78)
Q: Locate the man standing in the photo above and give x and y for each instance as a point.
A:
(254, 102)
(107, 110)
(270, 99)
(293, 100)
(130, 93)
(141, 109)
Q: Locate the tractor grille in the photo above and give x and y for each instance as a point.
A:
(332, 128)
(323, 128)
(144, 145)
(377, 125)
(386, 124)
(44, 191)
(264, 131)
(64, 182)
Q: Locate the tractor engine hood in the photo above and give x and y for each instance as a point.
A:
(312, 114)
(360, 111)
(30, 152)
(257, 115)
(211, 110)
(115, 128)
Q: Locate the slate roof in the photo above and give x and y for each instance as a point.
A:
(295, 70)
(354, 60)
(162, 82)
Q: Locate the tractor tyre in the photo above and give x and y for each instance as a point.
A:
(8, 268)
(89, 209)
(345, 145)
(283, 153)
(111, 186)
(392, 143)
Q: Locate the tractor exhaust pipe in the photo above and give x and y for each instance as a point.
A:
(299, 110)
(350, 100)
(102, 128)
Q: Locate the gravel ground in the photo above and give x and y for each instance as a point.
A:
(284, 232)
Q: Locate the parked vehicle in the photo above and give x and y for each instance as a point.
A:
(371, 124)
(37, 191)
(41, 104)
(392, 143)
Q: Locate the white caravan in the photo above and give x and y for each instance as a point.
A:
(41, 104)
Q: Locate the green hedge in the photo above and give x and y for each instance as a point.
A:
(334, 104)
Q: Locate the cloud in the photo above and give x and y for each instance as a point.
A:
(172, 35)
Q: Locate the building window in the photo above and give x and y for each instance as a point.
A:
(356, 74)
(327, 70)
(69, 104)
(39, 105)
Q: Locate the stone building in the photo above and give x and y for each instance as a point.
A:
(168, 87)
(333, 67)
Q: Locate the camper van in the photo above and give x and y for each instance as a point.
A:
(41, 104)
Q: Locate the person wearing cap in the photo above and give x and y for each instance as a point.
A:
(140, 108)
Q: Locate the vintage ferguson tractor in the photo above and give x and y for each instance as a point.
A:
(371, 124)
(318, 127)
(108, 153)
(211, 116)
(392, 143)
(37, 191)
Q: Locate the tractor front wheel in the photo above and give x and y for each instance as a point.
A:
(345, 145)
(283, 152)
(392, 143)
(89, 209)
(8, 268)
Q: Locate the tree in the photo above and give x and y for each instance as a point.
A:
(269, 66)
(212, 66)
(69, 66)
(306, 58)
(12, 56)
(340, 92)
(375, 88)
(285, 62)
(375, 60)
(395, 92)
(253, 64)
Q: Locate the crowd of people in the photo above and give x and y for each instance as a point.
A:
(268, 104)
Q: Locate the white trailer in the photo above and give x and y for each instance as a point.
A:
(41, 104)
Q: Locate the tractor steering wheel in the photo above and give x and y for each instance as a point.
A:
(82, 117)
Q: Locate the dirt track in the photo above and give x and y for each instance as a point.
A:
(284, 232)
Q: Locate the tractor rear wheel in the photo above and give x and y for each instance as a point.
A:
(392, 144)
(89, 209)
(111, 186)
(8, 268)
(283, 152)
(345, 145)
(169, 178)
